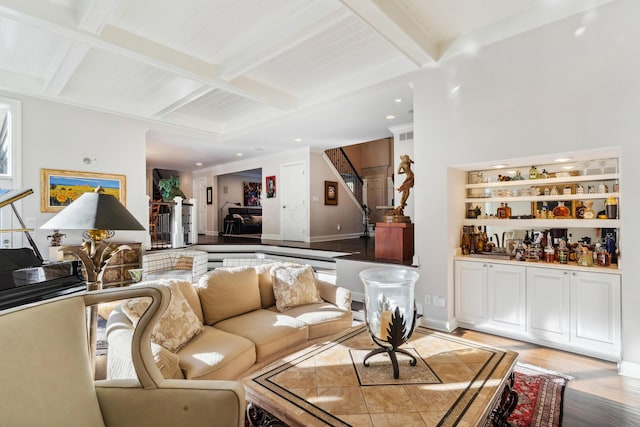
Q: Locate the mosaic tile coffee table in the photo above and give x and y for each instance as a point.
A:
(456, 382)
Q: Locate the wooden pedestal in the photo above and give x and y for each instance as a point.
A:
(394, 241)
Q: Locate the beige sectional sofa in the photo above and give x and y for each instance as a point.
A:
(230, 320)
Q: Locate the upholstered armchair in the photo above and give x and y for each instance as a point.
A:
(174, 264)
(47, 374)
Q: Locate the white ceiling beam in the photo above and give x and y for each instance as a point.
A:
(68, 65)
(92, 15)
(187, 99)
(388, 20)
(51, 17)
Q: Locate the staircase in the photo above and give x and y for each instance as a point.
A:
(345, 168)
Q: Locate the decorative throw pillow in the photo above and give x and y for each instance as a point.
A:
(294, 286)
(184, 263)
(177, 325)
(228, 291)
(257, 219)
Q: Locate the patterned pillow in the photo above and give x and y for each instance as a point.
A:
(184, 263)
(177, 325)
(294, 286)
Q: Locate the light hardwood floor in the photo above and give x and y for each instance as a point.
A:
(596, 396)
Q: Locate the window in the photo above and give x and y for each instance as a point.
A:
(5, 141)
(10, 167)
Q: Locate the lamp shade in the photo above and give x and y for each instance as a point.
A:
(94, 211)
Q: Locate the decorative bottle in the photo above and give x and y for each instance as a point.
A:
(561, 211)
(611, 207)
(589, 213)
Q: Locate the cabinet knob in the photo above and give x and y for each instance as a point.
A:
(565, 272)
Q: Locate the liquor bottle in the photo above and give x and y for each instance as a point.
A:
(561, 211)
(589, 213)
(527, 240)
(479, 241)
(562, 252)
(611, 207)
(507, 210)
(502, 212)
(533, 173)
(580, 210)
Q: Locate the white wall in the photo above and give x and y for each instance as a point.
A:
(57, 136)
(545, 91)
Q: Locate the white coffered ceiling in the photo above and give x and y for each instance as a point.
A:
(219, 77)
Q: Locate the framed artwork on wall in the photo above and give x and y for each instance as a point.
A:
(252, 192)
(209, 195)
(59, 188)
(330, 193)
(271, 186)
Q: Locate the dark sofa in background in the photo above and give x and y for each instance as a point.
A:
(245, 220)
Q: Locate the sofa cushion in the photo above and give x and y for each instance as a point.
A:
(216, 355)
(184, 263)
(190, 293)
(265, 283)
(228, 292)
(177, 325)
(294, 286)
(270, 331)
(323, 318)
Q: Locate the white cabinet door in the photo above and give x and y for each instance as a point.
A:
(471, 292)
(595, 310)
(548, 303)
(507, 297)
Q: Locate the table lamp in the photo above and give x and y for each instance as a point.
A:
(99, 214)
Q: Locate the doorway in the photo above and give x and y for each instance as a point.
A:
(293, 220)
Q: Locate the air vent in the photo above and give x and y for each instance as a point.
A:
(406, 136)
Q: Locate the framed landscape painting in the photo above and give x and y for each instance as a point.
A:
(59, 188)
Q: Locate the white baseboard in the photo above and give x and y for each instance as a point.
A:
(629, 369)
(438, 325)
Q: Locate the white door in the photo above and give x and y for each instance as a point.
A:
(200, 187)
(471, 292)
(595, 310)
(507, 297)
(293, 207)
(548, 303)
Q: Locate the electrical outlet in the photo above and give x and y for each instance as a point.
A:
(427, 300)
(439, 301)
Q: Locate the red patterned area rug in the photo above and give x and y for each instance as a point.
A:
(540, 394)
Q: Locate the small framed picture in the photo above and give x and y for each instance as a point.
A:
(209, 195)
(271, 186)
(330, 193)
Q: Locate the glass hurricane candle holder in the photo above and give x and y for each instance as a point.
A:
(390, 311)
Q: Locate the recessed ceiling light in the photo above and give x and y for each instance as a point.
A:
(398, 100)
(199, 164)
(298, 139)
(239, 154)
(580, 31)
(455, 89)
(500, 166)
(390, 117)
(568, 167)
(562, 159)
